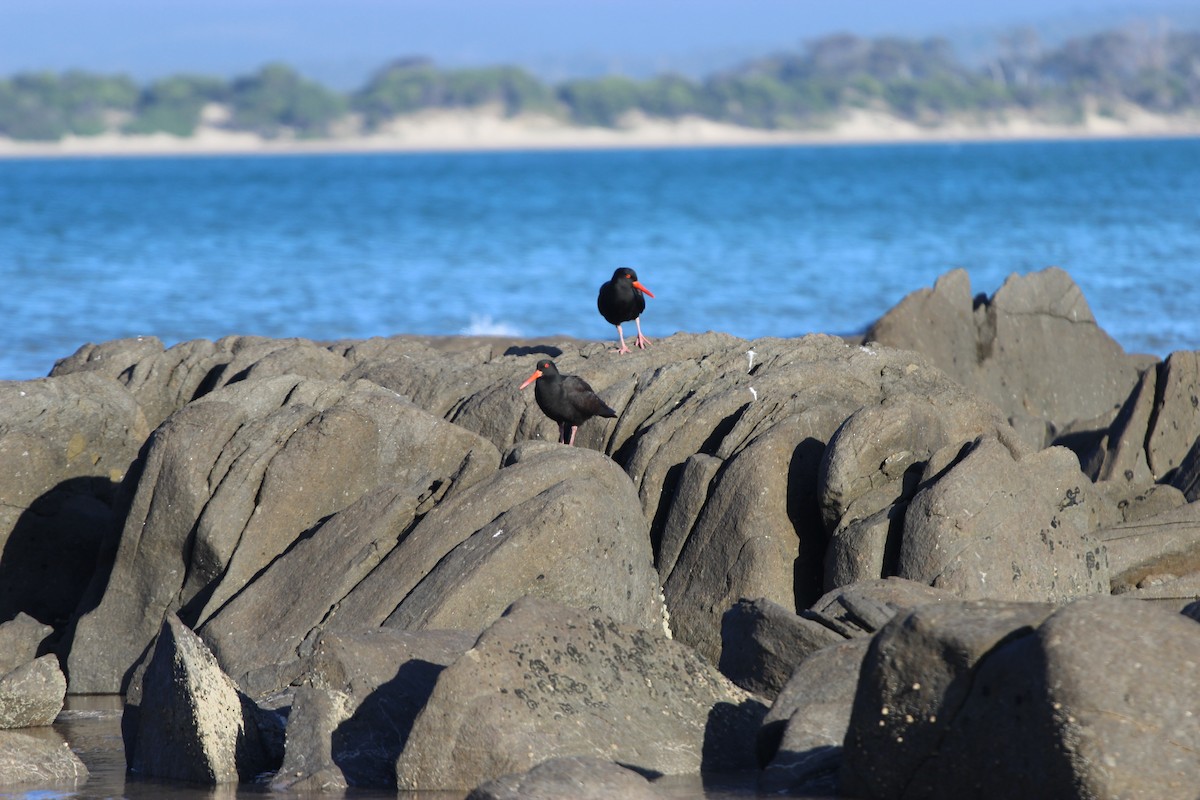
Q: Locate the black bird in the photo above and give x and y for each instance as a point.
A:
(566, 399)
(621, 300)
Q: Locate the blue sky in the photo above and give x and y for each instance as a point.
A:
(341, 41)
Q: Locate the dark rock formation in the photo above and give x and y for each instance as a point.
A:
(547, 681)
(801, 736)
(192, 723)
(357, 698)
(988, 700)
(762, 642)
(65, 445)
(1033, 349)
(233, 480)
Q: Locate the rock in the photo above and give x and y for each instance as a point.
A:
(32, 694)
(1186, 477)
(987, 524)
(547, 681)
(576, 777)
(192, 722)
(762, 642)
(65, 444)
(233, 480)
(1175, 424)
(760, 530)
(1165, 544)
(862, 608)
(801, 736)
(309, 763)
(357, 698)
(917, 672)
(871, 469)
(1132, 503)
(288, 603)
(1120, 455)
(1027, 713)
(557, 522)
(1033, 348)
(20, 639)
(38, 760)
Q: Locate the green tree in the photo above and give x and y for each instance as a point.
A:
(277, 98)
(173, 105)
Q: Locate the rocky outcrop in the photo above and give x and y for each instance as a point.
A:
(66, 443)
(989, 700)
(192, 724)
(389, 601)
(1033, 348)
(547, 681)
(355, 704)
(32, 694)
(232, 481)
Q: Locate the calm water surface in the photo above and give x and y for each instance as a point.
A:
(751, 241)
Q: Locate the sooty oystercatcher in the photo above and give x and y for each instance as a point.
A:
(566, 399)
(621, 300)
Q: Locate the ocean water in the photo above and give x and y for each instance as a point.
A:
(752, 241)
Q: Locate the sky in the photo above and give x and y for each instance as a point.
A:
(339, 42)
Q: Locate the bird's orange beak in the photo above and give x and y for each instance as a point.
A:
(537, 373)
(638, 285)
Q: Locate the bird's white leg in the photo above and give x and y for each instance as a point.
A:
(623, 348)
(642, 341)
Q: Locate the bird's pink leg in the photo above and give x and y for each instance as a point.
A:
(642, 341)
(623, 348)
(573, 429)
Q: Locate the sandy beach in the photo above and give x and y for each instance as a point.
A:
(471, 130)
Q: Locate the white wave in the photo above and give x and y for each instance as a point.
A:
(484, 325)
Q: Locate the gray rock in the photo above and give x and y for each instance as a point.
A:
(234, 479)
(860, 609)
(38, 760)
(1175, 424)
(763, 642)
(1120, 455)
(547, 681)
(357, 698)
(65, 445)
(1027, 714)
(1186, 477)
(871, 469)
(1167, 544)
(917, 672)
(32, 694)
(803, 732)
(287, 604)
(1033, 348)
(576, 777)
(558, 522)
(192, 724)
(20, 639)
(988, 525)
(1130, 503)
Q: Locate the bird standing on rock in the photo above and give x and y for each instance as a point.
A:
(621, 300)
(566, 399)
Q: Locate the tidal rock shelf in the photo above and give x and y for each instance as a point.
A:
(958, 556)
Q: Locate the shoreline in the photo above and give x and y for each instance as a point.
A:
(474, 131)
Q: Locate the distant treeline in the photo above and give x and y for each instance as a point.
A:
(922, 81)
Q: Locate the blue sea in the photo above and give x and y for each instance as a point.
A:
(752, 241)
